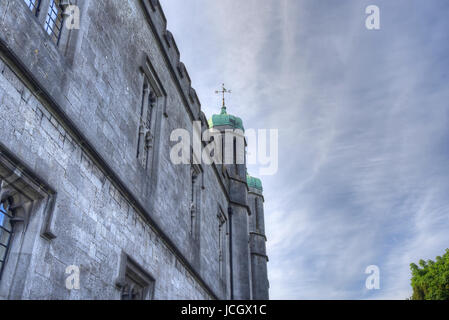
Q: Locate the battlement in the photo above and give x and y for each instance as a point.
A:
(158, 22)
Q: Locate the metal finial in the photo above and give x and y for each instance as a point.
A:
(223, 91)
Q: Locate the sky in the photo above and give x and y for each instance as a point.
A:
(363, 120)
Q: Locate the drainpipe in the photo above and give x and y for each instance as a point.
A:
(230, 253)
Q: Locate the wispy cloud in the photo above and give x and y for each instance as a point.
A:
(363, 119)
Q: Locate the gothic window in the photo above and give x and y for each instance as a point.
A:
(259, 217)
(236, 168)
(222, 247)
(195, 199)
(256, 209)
(133, 281)
(153, 103)
(5, 233)
(147, 112)
(33, 5)
(54, 20)
(239, 152)
(22, 197)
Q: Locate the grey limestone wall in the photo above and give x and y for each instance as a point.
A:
(93, 222)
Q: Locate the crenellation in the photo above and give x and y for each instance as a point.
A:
(174, 57)
(181, 69)
(156, 6)
(168, 37)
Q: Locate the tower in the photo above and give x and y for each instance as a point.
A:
(257, 238)
(234, 167)
(248, 258)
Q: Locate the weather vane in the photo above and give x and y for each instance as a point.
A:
(223, 91)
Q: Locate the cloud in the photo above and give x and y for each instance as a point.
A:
(362, 117)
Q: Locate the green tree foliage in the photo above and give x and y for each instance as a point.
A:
(430, 280)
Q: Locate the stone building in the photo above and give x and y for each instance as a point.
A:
(92, 207)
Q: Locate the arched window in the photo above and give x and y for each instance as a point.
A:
(5, 233)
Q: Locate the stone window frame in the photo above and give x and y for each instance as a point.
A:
(256, 214)
(54, 20)
(239, 150)
(28, 198)
(43, 9)
(223, 233)
(17, 180)
(129, 268)
(145, 139)
(197, 185)
(145, 155)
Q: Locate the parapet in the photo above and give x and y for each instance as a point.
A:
(158, 23)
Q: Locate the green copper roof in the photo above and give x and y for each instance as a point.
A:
(254, 182)
(224, 119)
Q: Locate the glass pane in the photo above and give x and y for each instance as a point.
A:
(2, 253)
(2, 216)
(33, 5)
(4, 237)
(7, 223)
(5, 220)
(4, 234)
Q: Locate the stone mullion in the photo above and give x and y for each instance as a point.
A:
(43, 11)
(142, 120)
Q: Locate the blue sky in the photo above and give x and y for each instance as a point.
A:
(363, 119)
